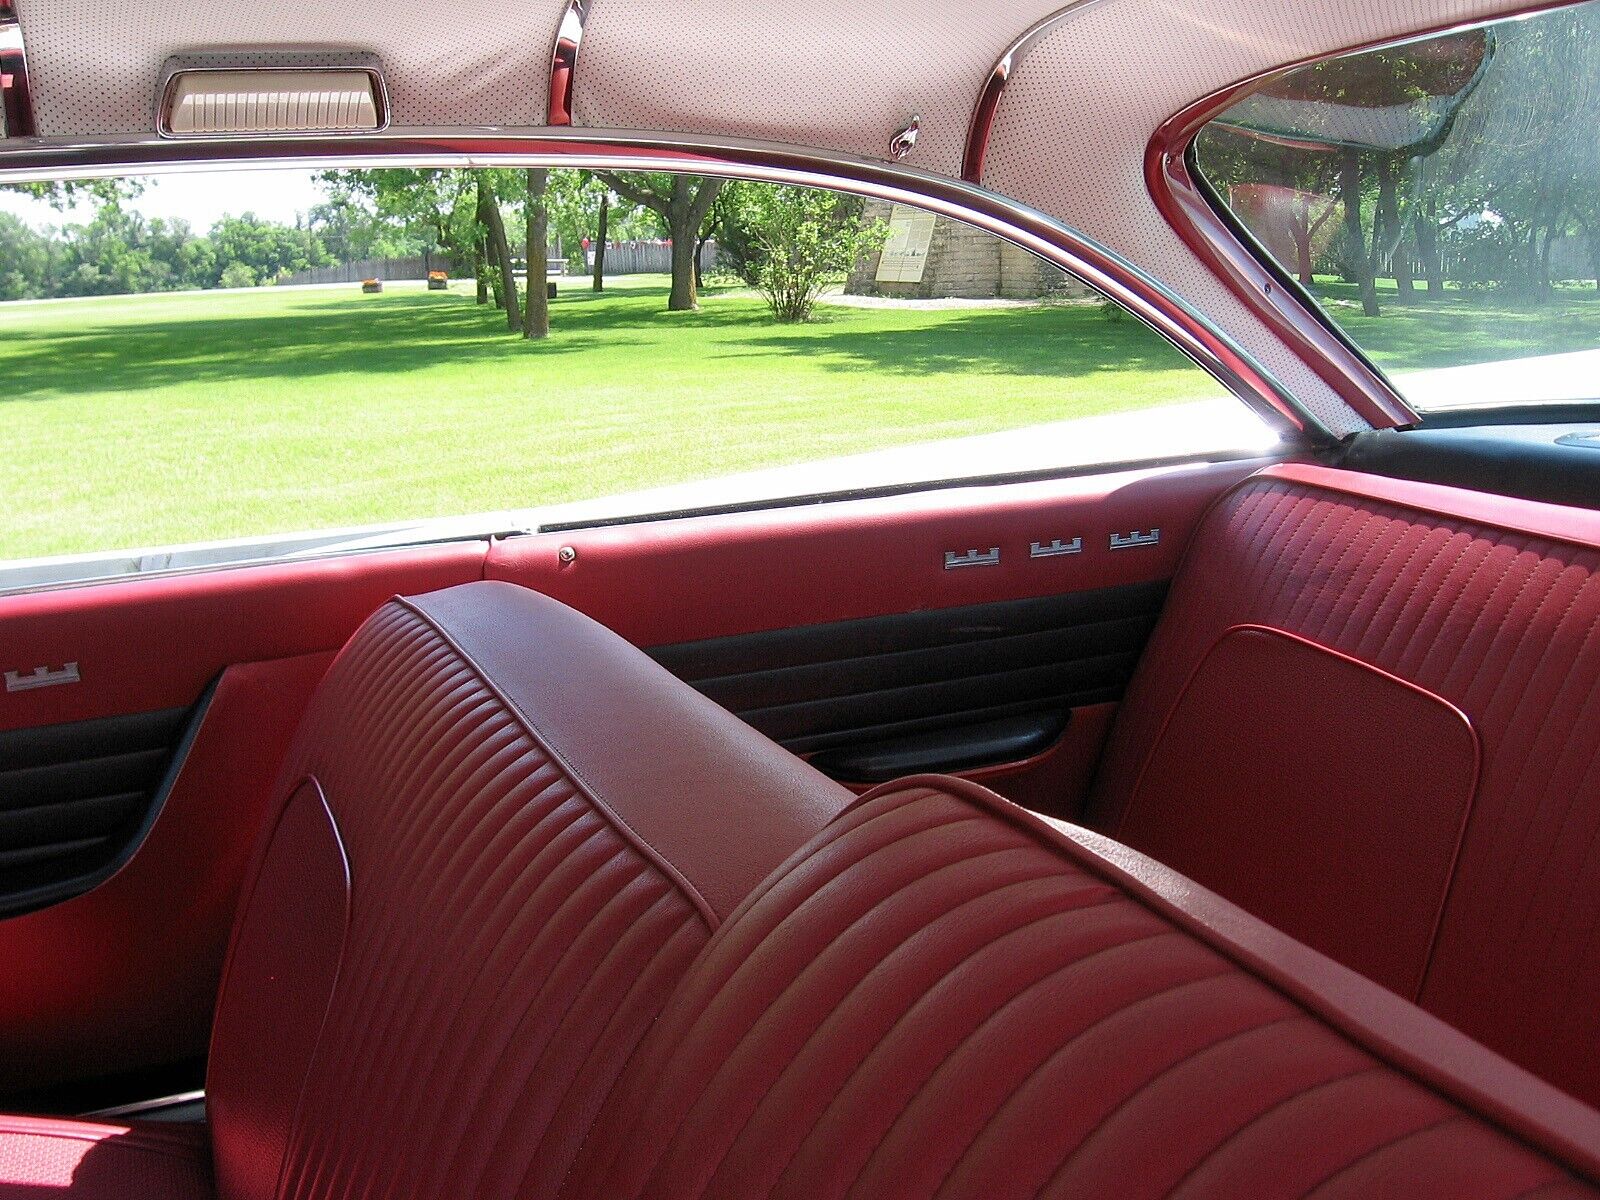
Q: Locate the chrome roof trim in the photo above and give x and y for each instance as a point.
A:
(564, 62)
(1101, 268)
(985, 110)
(16, 100)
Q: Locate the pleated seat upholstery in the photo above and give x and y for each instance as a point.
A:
(946, 997)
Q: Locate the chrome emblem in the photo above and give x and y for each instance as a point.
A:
(1054, 547)
(40, 677)
(972, 558)
(1128, 541)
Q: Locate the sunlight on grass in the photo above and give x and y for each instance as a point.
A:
(172, 418)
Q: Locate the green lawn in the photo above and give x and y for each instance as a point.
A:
(132, 421)
(1460, 327)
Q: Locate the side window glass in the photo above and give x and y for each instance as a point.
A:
(309, 361)
(1440, 200)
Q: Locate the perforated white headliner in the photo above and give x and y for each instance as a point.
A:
(94, 64)
(1070, 137)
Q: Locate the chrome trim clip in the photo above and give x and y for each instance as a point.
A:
(972, 558)
(1054, 548)
(41, 677)
(16, 100)
(905, 141)
(1131, 541)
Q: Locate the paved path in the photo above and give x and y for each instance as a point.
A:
(1574, 376)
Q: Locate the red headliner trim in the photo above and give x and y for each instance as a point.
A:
(1181, 203)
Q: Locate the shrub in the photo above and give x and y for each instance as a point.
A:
(238, 275)
(803, 240)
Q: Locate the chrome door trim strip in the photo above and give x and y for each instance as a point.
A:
(1101, 268)
(16, 98)
(984, 112)
(564, 62)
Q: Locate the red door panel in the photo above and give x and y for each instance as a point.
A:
(707, 577)
(148, 644)
(124, 975)
(715, 596)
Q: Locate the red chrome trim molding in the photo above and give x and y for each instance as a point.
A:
(1113, 276)
(564, 63)
(981, 125)
(16, 100)
(1185, 208)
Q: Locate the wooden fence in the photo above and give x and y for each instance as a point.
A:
(415, 267)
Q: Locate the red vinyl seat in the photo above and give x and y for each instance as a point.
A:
(947, 997)
(535, 919)
(504, 835)
(1370, 714)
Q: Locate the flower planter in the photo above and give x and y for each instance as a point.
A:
(438, 281)
(371, 286)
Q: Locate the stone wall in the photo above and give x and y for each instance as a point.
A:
(966, 263)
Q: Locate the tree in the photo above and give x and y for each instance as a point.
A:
(602, 233)
(803, 239)
(683, 202)
(490, 217)
(536, 318)
(27, 260)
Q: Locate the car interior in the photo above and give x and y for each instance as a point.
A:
(1211, 824)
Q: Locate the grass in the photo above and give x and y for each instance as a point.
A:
(1460, 327)
(148, 420)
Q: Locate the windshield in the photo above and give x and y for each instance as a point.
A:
(1440, 200)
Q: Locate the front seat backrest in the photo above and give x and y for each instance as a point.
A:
(505, 835)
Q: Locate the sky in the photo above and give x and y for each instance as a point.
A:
(200, 199)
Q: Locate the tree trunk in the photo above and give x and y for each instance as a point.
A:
(1300, 230)
(601, 233)
(1427, 235)
(1350, 175)
(480, 270)
(683, 227)
(1393, 233)
(536, 310)
(685, 295)
(489, 214)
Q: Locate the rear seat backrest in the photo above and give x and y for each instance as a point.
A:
(946, 997)
(1371, 715)
(507, 835)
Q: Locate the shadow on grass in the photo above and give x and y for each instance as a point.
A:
(1050, 343)
(394, 334)
(1460, 328)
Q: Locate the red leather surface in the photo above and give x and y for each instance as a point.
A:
(644, 746)
(42, 1158)
(1252, 791)
(512, 933)
(945, 997)
(287, 946)
(146, 644)
(678, 581)
(126, 975)
(1495, 612)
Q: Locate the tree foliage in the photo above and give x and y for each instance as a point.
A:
(120, 252)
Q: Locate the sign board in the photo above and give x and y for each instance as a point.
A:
(905, 254)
